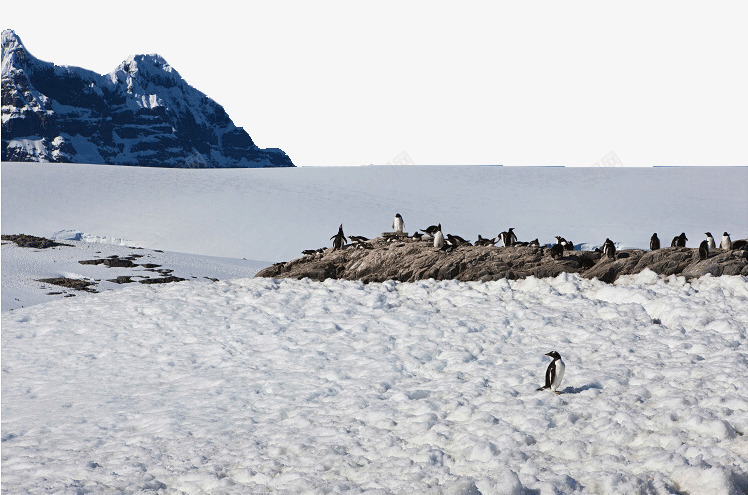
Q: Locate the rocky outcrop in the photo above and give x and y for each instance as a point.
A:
(410, 260)
(143, 113)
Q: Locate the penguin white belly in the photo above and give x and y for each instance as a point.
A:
(439, 240)
(560, 368)
(725, 244)
(712, 245)
(398, 225)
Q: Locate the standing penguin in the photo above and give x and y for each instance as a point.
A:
(654, 242)
(726, 243)
(398, 224)
(704, 250)
(508, 238)
(439, 238)
(679, 241)
(555, 372)
(557, 250)
(710, 240)
(609, 249)
(339, 239)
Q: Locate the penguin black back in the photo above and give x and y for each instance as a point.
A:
(339, 239)
(704, 250)
(654, 242)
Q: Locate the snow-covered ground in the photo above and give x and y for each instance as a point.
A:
(22, 268)
(274, 214)
(258, 386)
(255, 385)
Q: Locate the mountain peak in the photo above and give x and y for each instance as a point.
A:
(142, 113)
(13, 50)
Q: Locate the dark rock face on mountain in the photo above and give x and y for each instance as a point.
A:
(143, 113)
(411, 260)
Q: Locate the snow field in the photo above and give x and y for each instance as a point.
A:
(275, 214)
(257, 385)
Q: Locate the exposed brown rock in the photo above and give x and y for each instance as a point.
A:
(412, 260)
(30, 241)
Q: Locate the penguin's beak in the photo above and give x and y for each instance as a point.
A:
(548, 354)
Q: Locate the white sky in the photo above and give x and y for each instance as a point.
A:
(512, 83)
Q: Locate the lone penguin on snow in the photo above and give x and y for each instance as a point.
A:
(654, 242)
(398, 224)
(555, 372)
(704, 250)
(726, 243)
(339, 239)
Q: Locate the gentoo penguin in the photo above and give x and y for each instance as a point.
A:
(482, 241)
(508, 238)
(555, 372)
(739, 244)
(417, 236)
(535, 243)
(307, 252)
(398, 224)
(456, 240)
(557, 249)
(726, 243)
(438, 238)
(704, 250)
(609, 249)
(432, 229)
(654, 242)
(710, 240)
(340, 239)
(682, 239)
(358, 238)
(569, 246)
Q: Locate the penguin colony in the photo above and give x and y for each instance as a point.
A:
(449, 242)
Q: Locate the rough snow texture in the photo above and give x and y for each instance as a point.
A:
(288, 386)
(412, 260)
(24, 267)
(143, 113)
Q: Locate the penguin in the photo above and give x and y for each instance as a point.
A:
(710, 240)
(432, 229)
(417, 236)
(340, 239)
(739, 244)
(308, 252)
(569, 246)
(609, 249)
(482, 241)
(358, 238)
(398, 223)
(555, 372)
(704, 250)
(535, 243)
(456, 240)
(557, 250)
(682, 240)
(726, 243)
(654, 242)
(508, 238)
(438, 238)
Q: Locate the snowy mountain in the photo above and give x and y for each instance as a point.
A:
(143, 113)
